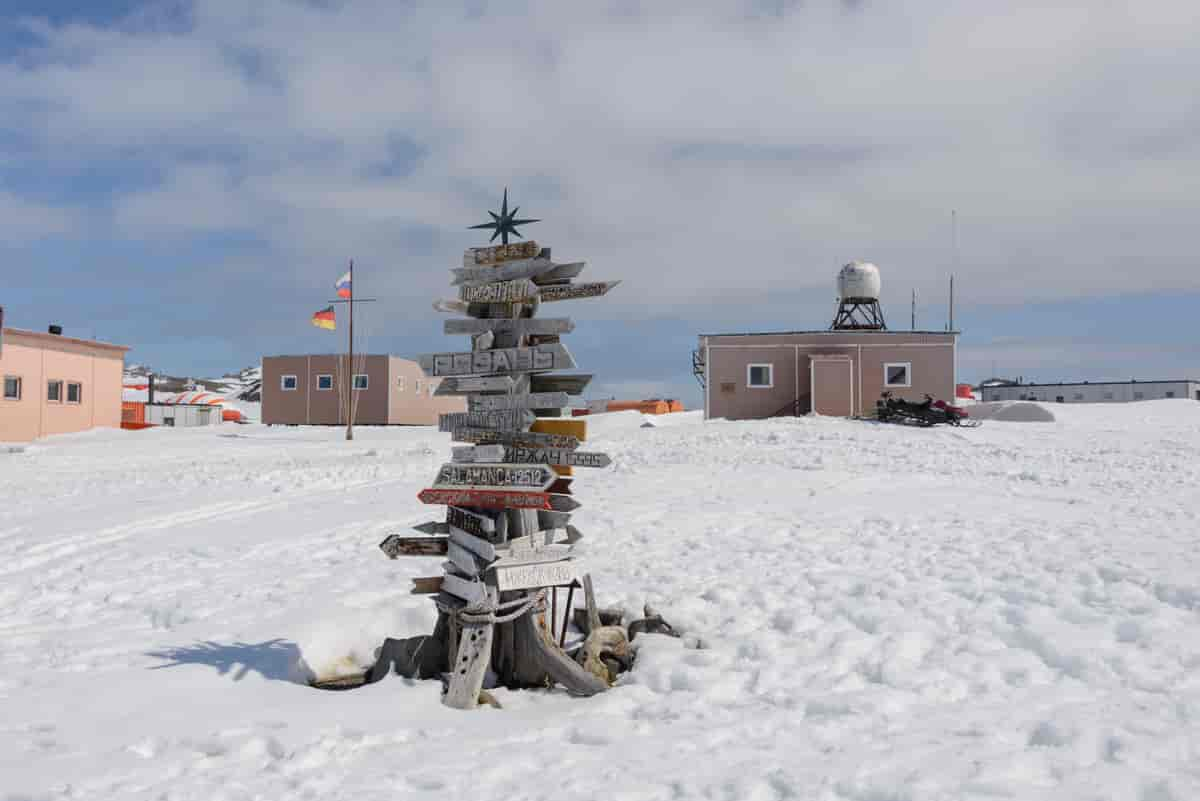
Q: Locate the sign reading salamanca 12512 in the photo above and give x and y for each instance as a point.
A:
(514, 476)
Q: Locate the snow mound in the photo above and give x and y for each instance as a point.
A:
(676, 419)
(1012, 412)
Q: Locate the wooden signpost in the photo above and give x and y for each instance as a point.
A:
(507, 500)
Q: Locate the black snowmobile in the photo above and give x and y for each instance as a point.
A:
(927, 413)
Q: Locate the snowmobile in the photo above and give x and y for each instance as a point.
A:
(927, 413)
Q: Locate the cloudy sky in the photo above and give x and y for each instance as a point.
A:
(189, 178)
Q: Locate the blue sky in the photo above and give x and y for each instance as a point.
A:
(190, 178)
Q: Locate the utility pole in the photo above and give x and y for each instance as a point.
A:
(350, 354)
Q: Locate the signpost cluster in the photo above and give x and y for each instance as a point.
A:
(506, 534)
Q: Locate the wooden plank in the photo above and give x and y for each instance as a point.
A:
(560, 485)
(394, 545)
(471, 522)
(432, 528)
(535, 400)
(426, 585)
(488, 436)
(472, 591)
(487, 498)
(507, 476)
(473, 454)
(476, 545)
(549, 382)
(516, 270)
(497, 360)
(463, 560)
(524, 326)
(542, 574)
(501, 292)
(561, 272)
(450, 306)
(495, 254)
(555, 292)
(549, 519)
(547, 553)
(502, 419)
(471, 661)
(517, 454)
(468, 386)
(563, 503)
(565, 427)
(546, 657)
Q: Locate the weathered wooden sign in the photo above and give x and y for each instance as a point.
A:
(432, 528)
(538, 269)
(462, 559)
(549, 519)
(394, 545)
(510, 476)
(480, 547)
(501, 292)
(470, 522)
(488, 436)
(488, 498)
(451, 306)
(502, 419)
(531, 555)
(498, 360)
(478, 453)
(575, 291)
(517, 454)
(498, 253)
(546, 574)
(573, 427)
(548, 382)
(524, 326)
(467, 386)
(470, 590)
(426, 585)
(562, 272)
(563, 503)
(534, 400)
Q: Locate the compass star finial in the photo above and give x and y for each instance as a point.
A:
(505, 222)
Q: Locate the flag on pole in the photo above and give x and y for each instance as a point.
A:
(343, 286)
(325, 319)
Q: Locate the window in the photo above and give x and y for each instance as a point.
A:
(288, 383)
(897, 374)
(54, 391)
(1078, 396)
(760, 375)
(1170, 394)
(325, 382)
(1108, 396)
(728, 387)
(1059, 399)
(74, 393)
(431, 388)
(12, 387)
(400, 383)
(360, 380)
(417, 383)
(1139, 396)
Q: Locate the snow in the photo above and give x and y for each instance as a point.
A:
(871, 613)
(1012, 412)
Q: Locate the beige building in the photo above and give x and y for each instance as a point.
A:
(843, 373)
(310, 390)
(57, 385)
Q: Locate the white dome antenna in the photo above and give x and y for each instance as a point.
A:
(858, 299)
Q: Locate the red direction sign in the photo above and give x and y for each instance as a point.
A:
(487, 498)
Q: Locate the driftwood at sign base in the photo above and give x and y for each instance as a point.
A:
(549, 658)
(422, 657)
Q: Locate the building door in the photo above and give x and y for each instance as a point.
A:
(832, 385)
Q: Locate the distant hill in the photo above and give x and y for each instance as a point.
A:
(243, 385)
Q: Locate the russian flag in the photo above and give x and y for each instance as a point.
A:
(343, 286)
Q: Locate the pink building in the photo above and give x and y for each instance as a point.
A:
(839, 373)
(55, 385)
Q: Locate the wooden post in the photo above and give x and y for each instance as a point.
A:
(350, 363)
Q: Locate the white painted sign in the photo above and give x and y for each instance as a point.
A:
(478, 453)
(470, 590)
(524, 326)
(504, 419)
(498, 253)
(559, 456)
(499, 360)
(575, 291)
(534, 400)
(509, 476)
(501, 292)
(546, 574)
(467, 386)
(480, 547)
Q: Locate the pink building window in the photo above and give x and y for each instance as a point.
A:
(54, 391)
(12, 387)
(74, 392)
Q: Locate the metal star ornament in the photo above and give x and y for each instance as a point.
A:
(505, 222)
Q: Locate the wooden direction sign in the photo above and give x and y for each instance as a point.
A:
(470, 522)
(571, 427)
(499, 253)
(480, 547)
(570, 384)
(563, 503)
(535, 400)
(467, 386)
(394, 545)
(501, 292)
(498, 360)
(548, 519)
(562, 272)
(525, 326)
(489, 498)
(478, 453)
(546, 574)
(517, 454)
(433, 528)
(509, 476)
(575, 291)
(490, 436)
(462, 559)
(470, 590)
(426, 585)
(538, 269)
(505, 419)
(451, 306)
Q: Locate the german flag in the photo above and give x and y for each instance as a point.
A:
(325, 319)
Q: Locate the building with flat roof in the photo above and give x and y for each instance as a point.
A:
(54, 384)
(837, 372)
(388, 390)
(1093, 391)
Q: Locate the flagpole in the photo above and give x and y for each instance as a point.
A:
(350, 363)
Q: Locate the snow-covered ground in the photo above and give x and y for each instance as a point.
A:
(884, 613)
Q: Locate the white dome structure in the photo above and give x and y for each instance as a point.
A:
(859, 280)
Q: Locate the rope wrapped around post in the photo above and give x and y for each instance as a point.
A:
(487, 613)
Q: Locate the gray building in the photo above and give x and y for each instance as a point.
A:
(1093, 391)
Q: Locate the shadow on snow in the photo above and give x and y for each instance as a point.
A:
(275, 660)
